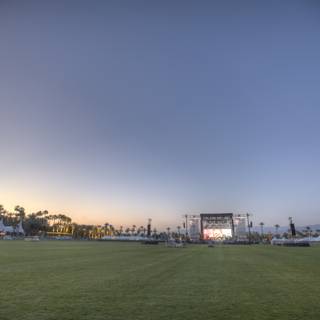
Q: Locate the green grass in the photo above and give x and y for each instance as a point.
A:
(100, 280)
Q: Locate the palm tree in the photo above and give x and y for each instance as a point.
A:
(277, 228)
(261, 226)
(2, 211)
(309, 231)
(68, 220)
(54, 218)
(9, 217)
(20, 212)
(45, 213)
(178, 227)
(168, 230)
(66, 223)
(106, 228)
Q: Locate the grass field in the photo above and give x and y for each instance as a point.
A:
(99, 280)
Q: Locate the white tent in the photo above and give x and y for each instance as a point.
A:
(19, 228)
(8, 229)
(11, 229)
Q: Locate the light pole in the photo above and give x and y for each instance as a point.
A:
(292, 227)
(186, 216)
(249, 227)
(149, 228)
(168, 234)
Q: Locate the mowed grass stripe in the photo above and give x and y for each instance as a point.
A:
(96, 280)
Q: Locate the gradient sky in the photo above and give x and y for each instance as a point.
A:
(117, 111)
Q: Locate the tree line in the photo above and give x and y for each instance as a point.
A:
(42, 223)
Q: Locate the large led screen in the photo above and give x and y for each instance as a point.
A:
(216, 226)
(216, 234)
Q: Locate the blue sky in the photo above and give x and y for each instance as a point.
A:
(123, 110)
